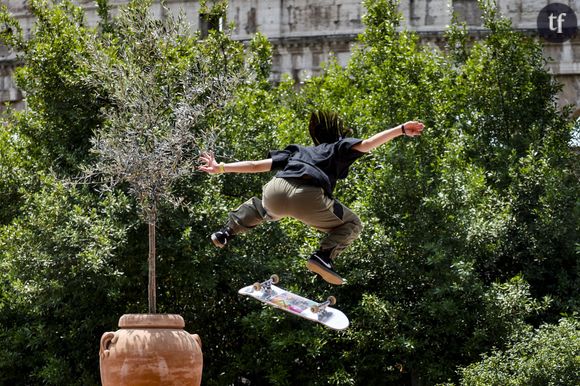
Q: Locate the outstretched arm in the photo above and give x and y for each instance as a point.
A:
(409, 129)
(211, 166)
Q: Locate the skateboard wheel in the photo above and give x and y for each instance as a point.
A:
(257, 286)
(275, 279)
(315, 309)
(331, 300)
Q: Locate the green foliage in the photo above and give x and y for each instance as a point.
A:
(261, 61)
(454, 257)
(14, 166)
(57, 124)
(59, 284)
(470, 230)
(547, 356)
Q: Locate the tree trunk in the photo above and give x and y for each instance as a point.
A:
(152, 292)
(415, 379)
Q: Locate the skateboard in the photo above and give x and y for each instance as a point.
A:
(267, 292)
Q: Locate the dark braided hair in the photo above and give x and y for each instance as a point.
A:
(327, 127)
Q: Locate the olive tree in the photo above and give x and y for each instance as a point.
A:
(162, 84)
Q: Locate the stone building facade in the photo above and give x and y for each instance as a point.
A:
(305, 33)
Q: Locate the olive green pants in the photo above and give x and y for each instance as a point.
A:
(295, 198)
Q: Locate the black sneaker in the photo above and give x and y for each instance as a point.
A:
(321, 264)
(222, 237)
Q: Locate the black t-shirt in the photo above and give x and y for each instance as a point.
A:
(323, 164)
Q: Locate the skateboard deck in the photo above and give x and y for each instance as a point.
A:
(267, 292)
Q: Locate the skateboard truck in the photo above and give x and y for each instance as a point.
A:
(266, 286)
(321, 308)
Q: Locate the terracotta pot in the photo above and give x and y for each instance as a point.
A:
(150, 349)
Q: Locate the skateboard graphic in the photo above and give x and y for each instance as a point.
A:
(268, 293)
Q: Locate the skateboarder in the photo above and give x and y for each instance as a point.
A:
(303, 187)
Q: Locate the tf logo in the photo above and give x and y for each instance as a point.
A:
(557, 23)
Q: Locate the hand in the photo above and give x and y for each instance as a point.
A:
(413, 128)
(209, 164)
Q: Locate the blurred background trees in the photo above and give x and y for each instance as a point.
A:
(471, 231)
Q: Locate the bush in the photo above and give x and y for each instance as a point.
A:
(547, 356)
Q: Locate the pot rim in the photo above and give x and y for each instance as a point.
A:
(151, 321)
